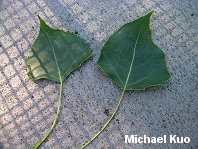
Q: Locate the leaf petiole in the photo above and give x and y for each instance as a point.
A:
(106, 124)
(55, 120)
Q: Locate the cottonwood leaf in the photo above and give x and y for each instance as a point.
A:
(55, 54)
(131, 59)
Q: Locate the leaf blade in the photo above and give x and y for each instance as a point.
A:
(131, 50)
(55, 54)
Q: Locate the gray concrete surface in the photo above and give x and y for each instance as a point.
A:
(27, 107)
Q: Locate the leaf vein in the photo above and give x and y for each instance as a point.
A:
(117, 63)
(145, 62)
(73, 62)
(133, 57)
(114, 71)
(146, 76)
(54, 56)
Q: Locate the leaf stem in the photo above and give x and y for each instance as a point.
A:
(106, 124)
(55, 120)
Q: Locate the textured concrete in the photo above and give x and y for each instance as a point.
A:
(27, 107)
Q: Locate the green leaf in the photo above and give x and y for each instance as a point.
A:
(131, 59)
(55, 54)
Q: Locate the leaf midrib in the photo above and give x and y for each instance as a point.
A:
(59, 73)
(134, 49)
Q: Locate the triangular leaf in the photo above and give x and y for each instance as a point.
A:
(55, 54)
(131, 59)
